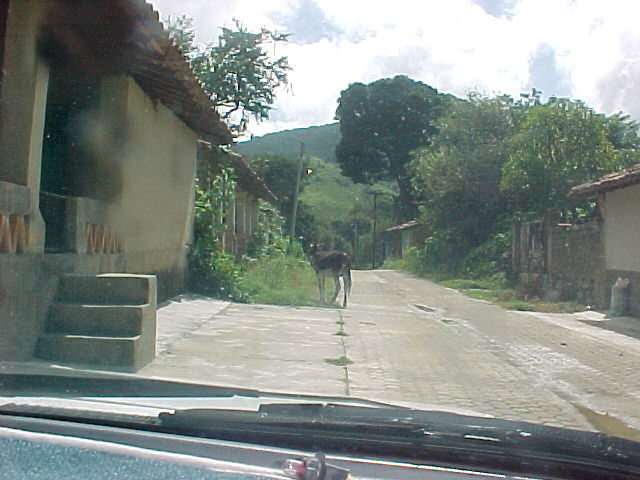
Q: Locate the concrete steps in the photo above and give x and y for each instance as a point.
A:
(106, 320)
(99, 320)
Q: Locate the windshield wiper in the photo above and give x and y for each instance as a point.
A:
(341, 426)
(418, 435)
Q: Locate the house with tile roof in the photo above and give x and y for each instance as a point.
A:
(618, 199)
(100, 119)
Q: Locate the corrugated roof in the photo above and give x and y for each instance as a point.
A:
(126, 36)
(613, 181)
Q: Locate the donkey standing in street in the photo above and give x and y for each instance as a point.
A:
(334, 265)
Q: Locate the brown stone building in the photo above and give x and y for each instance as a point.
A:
(100, 117)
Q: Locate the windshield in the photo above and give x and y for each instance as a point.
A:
(423, 203)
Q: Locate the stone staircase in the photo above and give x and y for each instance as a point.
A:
(106, 320)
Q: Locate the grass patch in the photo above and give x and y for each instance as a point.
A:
(508, 298)
(281, 280)
(395, 264)
(339, 362)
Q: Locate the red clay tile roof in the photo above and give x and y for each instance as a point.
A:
(127, 37)
(613, 181)
(211, 157)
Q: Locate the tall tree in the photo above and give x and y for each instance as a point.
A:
(458, 177)
(561, 144)
(238, 72)
(380, 123)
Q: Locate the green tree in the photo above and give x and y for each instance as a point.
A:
(623, 134)
(183, 33)
(238, 71)
(561, 144)
(380, 124)
(211, 270)
(458, 178)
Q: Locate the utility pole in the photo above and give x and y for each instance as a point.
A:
(375, 220)
(355, 232)
(295, 193)
(355, 240)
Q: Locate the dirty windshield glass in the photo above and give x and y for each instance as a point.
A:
(432, 204)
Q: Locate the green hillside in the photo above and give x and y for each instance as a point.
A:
(335, 202)
(333, 197)
(320, 142)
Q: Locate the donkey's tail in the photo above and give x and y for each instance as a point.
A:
(347, 286)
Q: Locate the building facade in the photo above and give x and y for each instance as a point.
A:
(618, 199)
(100, 116)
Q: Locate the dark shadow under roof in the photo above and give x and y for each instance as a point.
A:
(127, 37)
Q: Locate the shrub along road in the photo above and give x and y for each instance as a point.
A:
(405, 339)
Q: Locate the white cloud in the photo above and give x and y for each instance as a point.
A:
(452, 45)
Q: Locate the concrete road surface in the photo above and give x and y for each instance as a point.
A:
(405, 339)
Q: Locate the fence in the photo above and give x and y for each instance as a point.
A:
(560, 261)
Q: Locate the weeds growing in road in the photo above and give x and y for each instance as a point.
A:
(342, 361)
(497, 290)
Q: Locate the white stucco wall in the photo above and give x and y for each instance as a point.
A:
(156, 153)
(622, 229)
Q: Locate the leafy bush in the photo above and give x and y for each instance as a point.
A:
(215, 273)
(280, 279)
(278, 272)
(211, 270)
(489, 259)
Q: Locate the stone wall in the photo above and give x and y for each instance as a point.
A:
(576, 263)
(561, 262)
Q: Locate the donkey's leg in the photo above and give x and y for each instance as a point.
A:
(336, 288)
(347, 287)
(320, 279)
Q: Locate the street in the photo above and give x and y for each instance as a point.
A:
(407, 340)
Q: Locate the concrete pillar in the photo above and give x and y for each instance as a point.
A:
(22, 113)
(241, 201)
(253, 220)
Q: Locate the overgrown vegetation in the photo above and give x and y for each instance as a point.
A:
(274, 270)
(281, 279)
(497, 290)
(466, 169)
(332, 209)
(242, 79)
(497, 159)
(211, 270)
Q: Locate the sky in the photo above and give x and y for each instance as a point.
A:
(583, 49)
